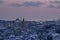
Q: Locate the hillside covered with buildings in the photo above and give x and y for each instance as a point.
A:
(29, 30)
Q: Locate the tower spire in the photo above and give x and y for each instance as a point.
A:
(23, 24)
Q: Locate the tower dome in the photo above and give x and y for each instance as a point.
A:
(18, 20)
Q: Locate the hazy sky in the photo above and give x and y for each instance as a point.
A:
(29, 9)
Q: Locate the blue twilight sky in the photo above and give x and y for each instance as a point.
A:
(29, 9)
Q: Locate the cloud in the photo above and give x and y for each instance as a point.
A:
(16, 5)
(34, 4)
(28, 4)
(57, 2)
(51, 6)
(1, 1)
(58, 7)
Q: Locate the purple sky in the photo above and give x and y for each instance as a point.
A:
(30, 10)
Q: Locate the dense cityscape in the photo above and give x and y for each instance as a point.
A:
(29, 30)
